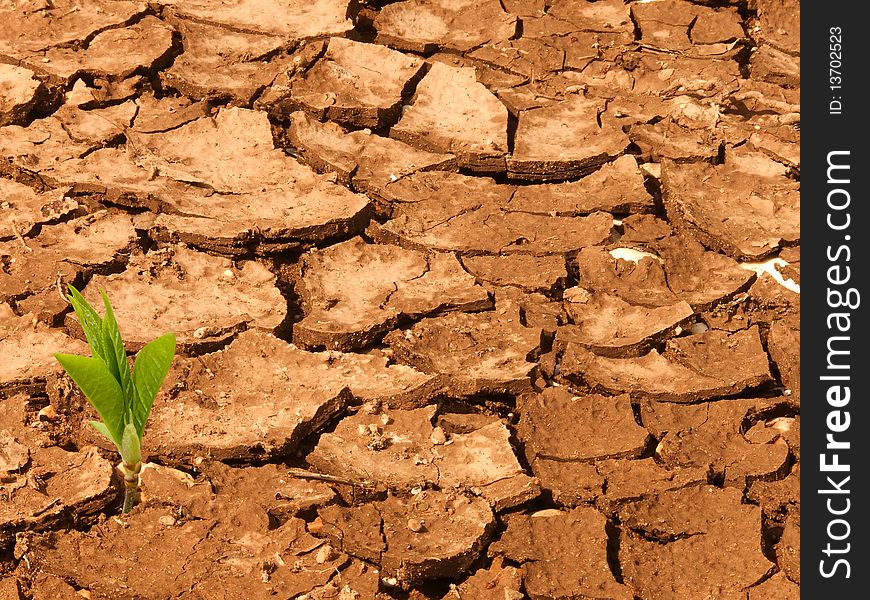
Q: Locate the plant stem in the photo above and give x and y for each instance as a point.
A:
(131, 485)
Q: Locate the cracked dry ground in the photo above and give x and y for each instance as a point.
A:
(466, 292)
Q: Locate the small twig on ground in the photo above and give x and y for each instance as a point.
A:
(303, 474)
(47, 507)
(21, 238)
(58, 283)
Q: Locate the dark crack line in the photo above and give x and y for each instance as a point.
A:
(461, 213)
(774, 569)
(664, 539)
(425, 272)
(187, 559)
(386, 301)
(85, 42)
(506, 70)
(689, 29)
(217, 25)
(382, 536)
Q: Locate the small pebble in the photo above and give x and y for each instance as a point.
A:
(576, 295)
(315, 526)
(699, 328)
(324, 554)
(438, 436)
(48, 413)
(348, 594)
(166, 520)
(783, 424)
(386, 419)
(372, 407)
(415, 525)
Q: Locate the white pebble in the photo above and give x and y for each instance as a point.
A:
(438, 436)
(699, 328)
(324, 554)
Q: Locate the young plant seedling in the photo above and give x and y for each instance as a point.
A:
(123, 400)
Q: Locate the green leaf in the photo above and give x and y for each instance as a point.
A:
(91, 322)
(131, 446)
(116, 357)
(100, 388)
(149, 371)
(101, 427)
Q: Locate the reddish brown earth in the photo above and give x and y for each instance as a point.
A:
(458, 288)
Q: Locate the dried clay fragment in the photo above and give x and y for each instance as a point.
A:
(153, 295)
(403, 449)
(673, 551)
(354, 83)
(453, 530)
(295, 19)
(696, 367)
(474, 353)
(453, 113)
(427, 25)
(353, 293)
(564, 140)
(562, 554)
(747, 207)
(19, 92)
(257, 397)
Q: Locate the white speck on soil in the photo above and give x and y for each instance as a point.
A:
(632, 254)
(769, 267)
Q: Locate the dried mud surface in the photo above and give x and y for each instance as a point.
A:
(468, 297)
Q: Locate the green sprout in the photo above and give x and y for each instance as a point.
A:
(122, 400)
